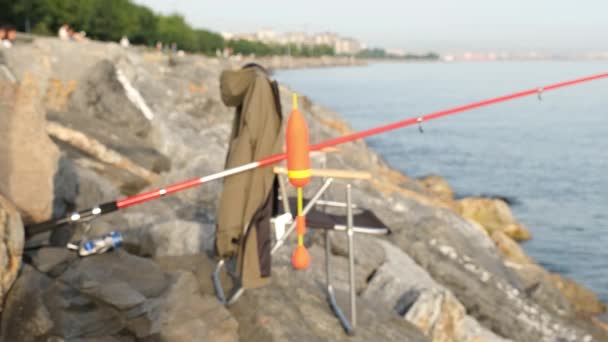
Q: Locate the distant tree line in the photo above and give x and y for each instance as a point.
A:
(109, 20)
(263, 49)
(377, 53)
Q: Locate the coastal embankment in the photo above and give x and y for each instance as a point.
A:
(86, 123)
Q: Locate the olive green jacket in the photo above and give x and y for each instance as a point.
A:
(243, 217)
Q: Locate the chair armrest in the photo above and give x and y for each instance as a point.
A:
(333, 173)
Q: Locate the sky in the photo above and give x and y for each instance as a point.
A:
(438, 25)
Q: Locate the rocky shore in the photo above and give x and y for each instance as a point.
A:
(86, 123)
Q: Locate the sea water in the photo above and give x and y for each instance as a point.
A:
(548, 156)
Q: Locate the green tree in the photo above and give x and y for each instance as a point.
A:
(208, 42)
(173, 29)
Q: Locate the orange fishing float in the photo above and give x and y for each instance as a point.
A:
(298, 171)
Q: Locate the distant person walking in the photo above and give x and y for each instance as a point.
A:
(8, 34)
(64, 32)
(124, 42)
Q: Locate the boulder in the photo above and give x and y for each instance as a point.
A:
(423, 223)
(510, 249)
(493, 215)
(294, 308)
(507, 310)
(466, 262)
(112, 296)
(177, 237)
(551, 290)
(403, 286)
(437, 186)
(102, 118)
(101, 96)
(25, 316)
(31, 174)
(198, 264)
(369, 255)
(11, 246)
(93, 189)
(585, 302)
(188, 316)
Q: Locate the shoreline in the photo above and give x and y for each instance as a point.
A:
(509, 201)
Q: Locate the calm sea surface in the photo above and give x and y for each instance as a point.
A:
(550, 157)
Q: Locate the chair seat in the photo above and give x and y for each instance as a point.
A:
(365, 221)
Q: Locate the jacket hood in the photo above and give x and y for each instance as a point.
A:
(235, 83)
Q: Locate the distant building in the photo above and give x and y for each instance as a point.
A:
(395, 52)
(341, 45)
(347, 46)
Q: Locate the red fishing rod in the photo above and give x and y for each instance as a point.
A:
(154, 194)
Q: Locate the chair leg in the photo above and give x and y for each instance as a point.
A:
(331, 296)
(327, 256)
(217, 283)
(237, 294)
(351, 256)
(284, 198)
(219, 290)
(307, 208)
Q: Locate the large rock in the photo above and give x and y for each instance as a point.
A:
(510, 249)
(31, 174)
(585, 302)
(403, 286)
(294, 308)
(101, 96)
(111, 296)
(178, 237)
(11, 246)
(466, 261)
(493, 215)
(101, 111)
(25, 317)
(503, 308)
(553, 291)
(188, 316)
(438, 187)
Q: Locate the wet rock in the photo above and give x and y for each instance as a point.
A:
(30, 170)
(493, 215)
(11, 246)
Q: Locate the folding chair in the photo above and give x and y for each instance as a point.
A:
(364, 222)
